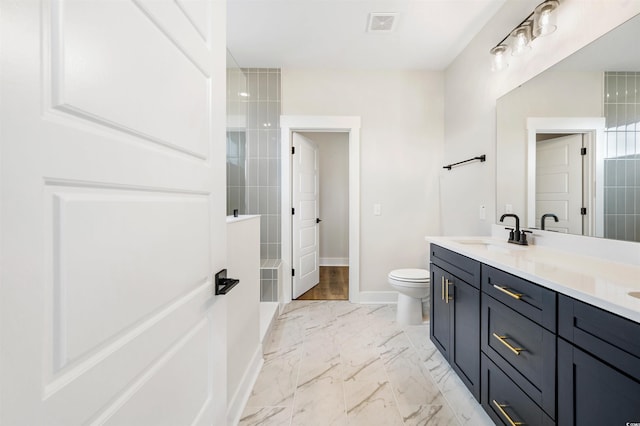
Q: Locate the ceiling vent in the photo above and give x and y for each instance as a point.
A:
(380, 22)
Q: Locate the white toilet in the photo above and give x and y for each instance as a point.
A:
(412, 286)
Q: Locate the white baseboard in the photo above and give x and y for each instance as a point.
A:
(378, 297)
(268, 312)
(334, 261)
(239, 400)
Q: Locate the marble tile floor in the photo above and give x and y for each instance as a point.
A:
(337, 363)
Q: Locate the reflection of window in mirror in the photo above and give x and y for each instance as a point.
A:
(622, 156)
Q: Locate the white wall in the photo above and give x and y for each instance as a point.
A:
(471, 91)
(333, 152)
(401, 152)
(244, 351)
(551, 94)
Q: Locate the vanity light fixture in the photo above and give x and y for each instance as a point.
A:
(540, 22)
(545, 19)
(521, 39)
(499, 61)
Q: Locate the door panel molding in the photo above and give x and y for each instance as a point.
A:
(155, 110)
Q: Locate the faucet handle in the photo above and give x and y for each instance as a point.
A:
(523, 237)
(511, 234)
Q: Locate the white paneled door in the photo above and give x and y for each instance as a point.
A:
(306, 254)
(112, 220)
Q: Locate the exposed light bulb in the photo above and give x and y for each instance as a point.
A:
(522, 36)
(545, 18)
(499, 61)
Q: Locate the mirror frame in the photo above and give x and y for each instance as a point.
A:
(595, 126)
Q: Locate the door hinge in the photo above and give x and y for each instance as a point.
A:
(583, 211)
(583, 151)
(293, 272)
(293, 210)
(293, 150)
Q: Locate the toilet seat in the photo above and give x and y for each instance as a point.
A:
(418, 276)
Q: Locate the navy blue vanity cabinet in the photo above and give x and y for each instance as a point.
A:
(598, 366)
(518, 341)
(455, 310)
(505, 402)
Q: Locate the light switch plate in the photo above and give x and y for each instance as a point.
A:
(377, 210)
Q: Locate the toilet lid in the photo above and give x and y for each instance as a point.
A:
(413, 275)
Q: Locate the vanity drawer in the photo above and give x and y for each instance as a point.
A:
(461, 266)
(531, 300)
(611, 338)
(522, 349)
(505, 402)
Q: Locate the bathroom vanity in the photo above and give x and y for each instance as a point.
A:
(539, 336)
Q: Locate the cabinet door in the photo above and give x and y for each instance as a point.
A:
(591, 392)
(465, 333)
(440, 328)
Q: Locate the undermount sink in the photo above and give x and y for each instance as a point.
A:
(635, 294)
(475, 242)
(491, 245)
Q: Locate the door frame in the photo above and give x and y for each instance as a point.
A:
(311, 123)
(593, 130)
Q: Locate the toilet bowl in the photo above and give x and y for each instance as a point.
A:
(412, 286)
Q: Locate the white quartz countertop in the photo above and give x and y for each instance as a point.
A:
(601, 283)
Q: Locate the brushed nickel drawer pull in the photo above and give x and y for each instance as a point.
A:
(506, 290)
(502, 339)
(447, 283)
(501, 407)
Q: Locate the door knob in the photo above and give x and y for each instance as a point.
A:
(318, 220)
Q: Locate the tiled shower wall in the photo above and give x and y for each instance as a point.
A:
(622, 156)
(253, 160)
(263, 156)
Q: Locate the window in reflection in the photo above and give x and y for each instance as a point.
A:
(622, 156)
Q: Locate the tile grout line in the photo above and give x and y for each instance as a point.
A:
(440, 389)
(393, 391)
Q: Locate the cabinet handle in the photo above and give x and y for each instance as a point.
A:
(447, 283)
(442, 288)
(505, 290)
(501, 407)
(502, 340)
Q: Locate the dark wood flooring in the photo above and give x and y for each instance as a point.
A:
(333, 285)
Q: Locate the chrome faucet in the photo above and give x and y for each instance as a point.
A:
(544, 217)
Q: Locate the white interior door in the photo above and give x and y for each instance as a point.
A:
(559, 183)
(305, 233)
(112, 220)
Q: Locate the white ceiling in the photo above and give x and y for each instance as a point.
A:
(332, 33)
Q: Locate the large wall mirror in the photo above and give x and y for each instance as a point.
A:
(568, 142)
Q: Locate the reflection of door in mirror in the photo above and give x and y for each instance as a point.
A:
(559, 181)
(575, 197)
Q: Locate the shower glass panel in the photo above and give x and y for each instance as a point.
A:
(236, 137)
